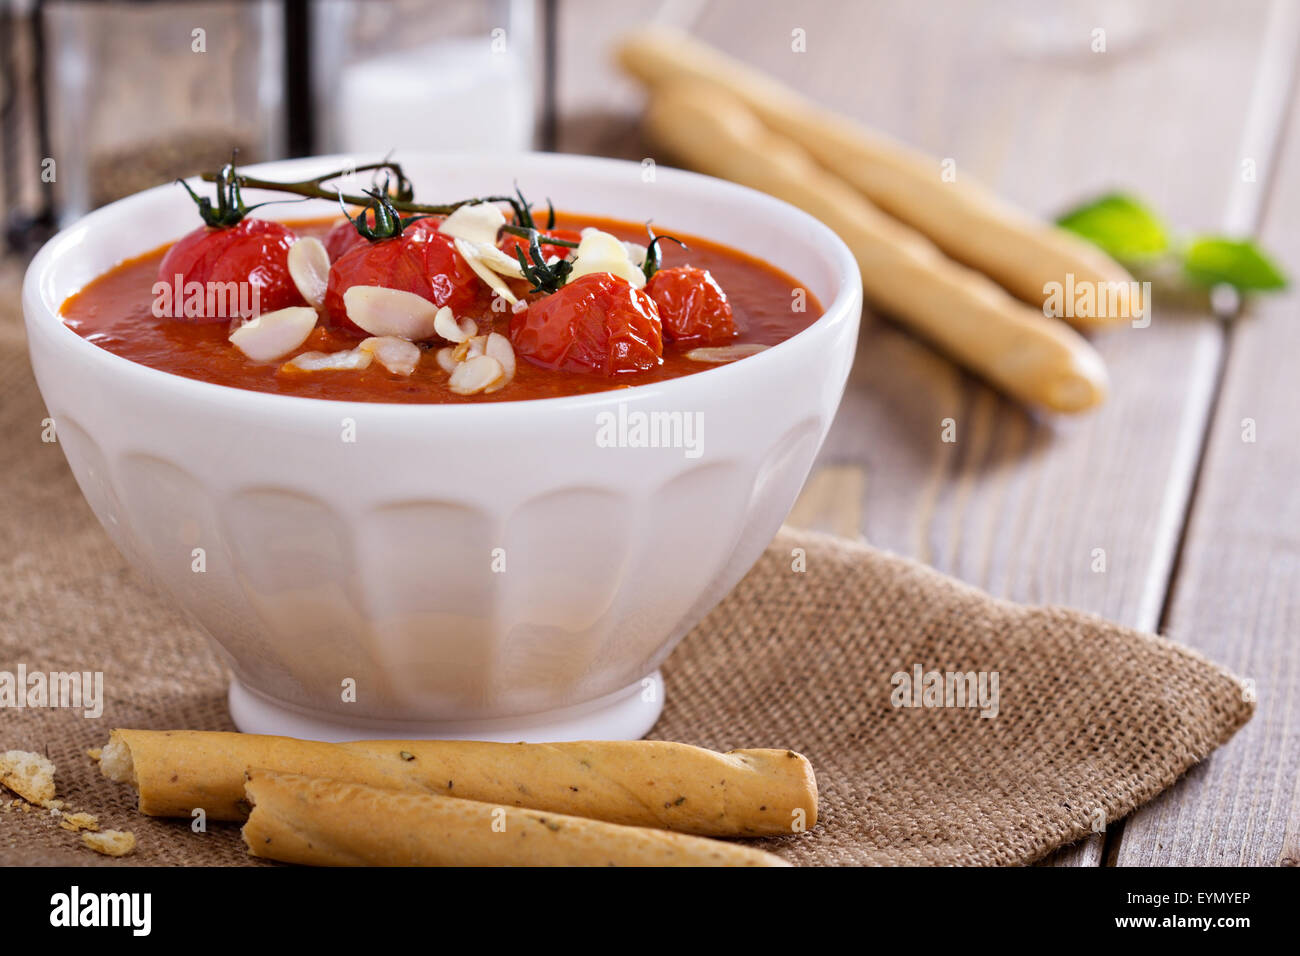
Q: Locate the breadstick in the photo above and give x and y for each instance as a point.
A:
(321, 822)
(1033, 358)
(642, 783)
(966, 221)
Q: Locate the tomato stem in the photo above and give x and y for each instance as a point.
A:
(230, 208)
(527, 232)
(544, 277)
(653, 254)
(316, 188)
(388, 222)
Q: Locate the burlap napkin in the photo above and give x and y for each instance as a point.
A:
(1092, 719)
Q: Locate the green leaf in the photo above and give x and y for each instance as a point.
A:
(1213, 260)
(1120, 225)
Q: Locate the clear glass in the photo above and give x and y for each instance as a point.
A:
(411, 75)
(142, 93)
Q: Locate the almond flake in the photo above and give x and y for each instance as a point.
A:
(478, 223)
(476, 374)
(309, 267)
(724, 353)
(273, 335)
(636, 252)
(397, 355)
(329, 361)
(499, 348)
(444, 323)
(381, 311)
(498, 261)
(445, 360)
(601, 252)
(469, 252)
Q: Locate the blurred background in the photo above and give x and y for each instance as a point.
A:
(130, 94)
(124, 95)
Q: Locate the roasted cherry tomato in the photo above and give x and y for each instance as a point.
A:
(344, 237)
(421, 260)
(598, 323)
(255, 251)
(510, 242)
(692, 306)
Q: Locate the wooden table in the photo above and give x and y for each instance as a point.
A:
(1198, 525)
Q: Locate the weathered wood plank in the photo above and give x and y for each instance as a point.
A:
(1023, 507)
(1237, 594)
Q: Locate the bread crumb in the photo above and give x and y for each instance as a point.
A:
(29, 775)
(110, 842)
(55, 805)
(79, 821)
(94, 753)
(116, 762)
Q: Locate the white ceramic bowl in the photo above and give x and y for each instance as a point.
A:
(373, 563)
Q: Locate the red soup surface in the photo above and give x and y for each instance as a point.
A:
(115, 311)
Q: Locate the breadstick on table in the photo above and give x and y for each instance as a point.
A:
(321, 822)
(966, 221)
(642, 783)
(1037, 360)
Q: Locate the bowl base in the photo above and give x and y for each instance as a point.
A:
(623, 715)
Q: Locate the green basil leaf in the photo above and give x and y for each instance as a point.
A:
(1120, 225)
(1213, 260)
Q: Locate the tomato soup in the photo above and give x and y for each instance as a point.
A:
(117, 312)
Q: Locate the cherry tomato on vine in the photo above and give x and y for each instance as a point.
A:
(598, 324)
(343, 237)
(230, 248)
(418, 259)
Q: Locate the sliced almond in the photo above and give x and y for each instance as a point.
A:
(381, 311)
(469, 252)
(499, 348)
(309, 267)
(478, 226)
(477, 223)
(602, 252)
(397, 355)
(498, 261)
(273, 335)
(475, 375)
(329, 361)
(444, 323)
(636, 252)
(445, 360)
(718, 354)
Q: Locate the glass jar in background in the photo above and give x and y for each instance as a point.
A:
(140, 93)
(412, 75)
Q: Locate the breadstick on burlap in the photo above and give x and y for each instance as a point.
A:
(650, 783)
(965, 220)
(321, 822)
(1037, 360)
